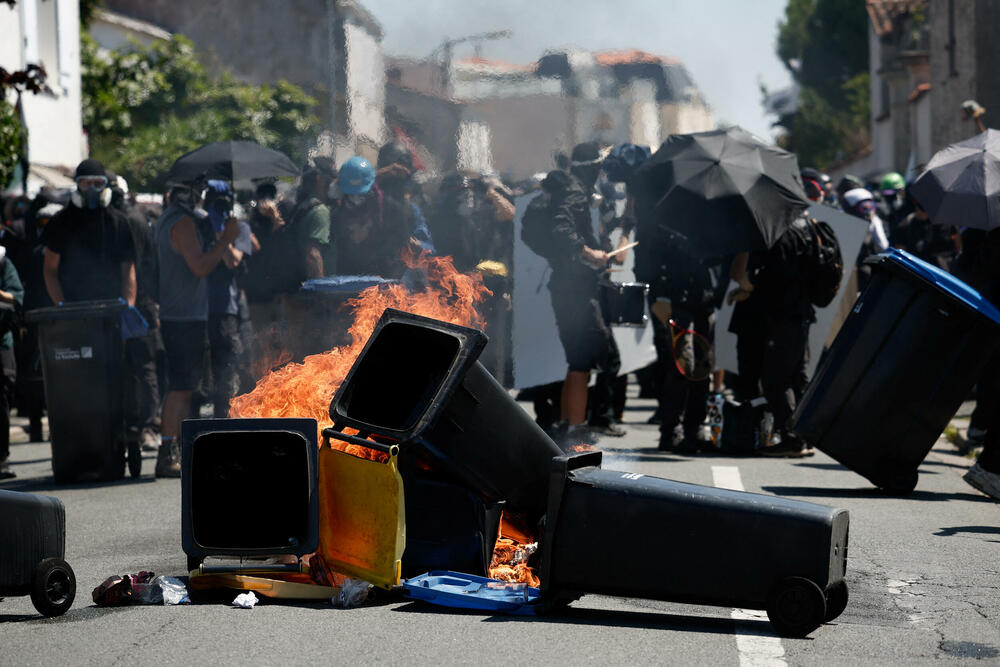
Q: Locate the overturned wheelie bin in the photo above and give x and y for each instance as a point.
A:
(32, 552)
(620, 533)
(899, 368)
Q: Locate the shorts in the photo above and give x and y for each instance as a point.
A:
(584, 335)
(184, 343)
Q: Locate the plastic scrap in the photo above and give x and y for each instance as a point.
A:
(245, 600)
(140, 588)
(467, 591)
(352, 593)
(173, 590)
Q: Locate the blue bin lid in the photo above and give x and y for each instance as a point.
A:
(343, 283)
(468, 591)
(943, 280)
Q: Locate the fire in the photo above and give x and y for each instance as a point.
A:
(511, 553)
(306, 389)
(582, 447)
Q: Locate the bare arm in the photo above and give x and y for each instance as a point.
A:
(502, 208)
(7, 297)
(314, 261)
(232, 257)
(129, 288)
(51, 272)
(184, 239)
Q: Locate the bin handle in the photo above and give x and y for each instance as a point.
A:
(392, 450)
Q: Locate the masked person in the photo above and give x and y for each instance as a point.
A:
(473, 220)
(401, 195)
(371, 240)
(577, 264)
(226, 346)
(861, 204)
(89, 252)
(184, 264)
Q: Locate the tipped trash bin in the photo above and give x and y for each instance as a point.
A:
(417, 382)
(81, 350)
(899, 368)
(632, 535)
(248, 488)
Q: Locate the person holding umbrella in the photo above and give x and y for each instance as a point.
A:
(724, 193)
(959, 187)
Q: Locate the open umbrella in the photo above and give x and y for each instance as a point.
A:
(722, 192)
(961, 184)
(237, 161)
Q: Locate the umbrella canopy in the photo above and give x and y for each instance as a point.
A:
(723, 191)
(237, 161)
(961, 185)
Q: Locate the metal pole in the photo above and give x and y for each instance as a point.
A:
(331, 41)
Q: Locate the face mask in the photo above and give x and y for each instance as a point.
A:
(354, 202)
(91, 198)
(218, 219)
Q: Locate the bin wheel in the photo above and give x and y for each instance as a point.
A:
(836, 600)
(193, 563)
(796, 606)
(134, 458)
(53, 587)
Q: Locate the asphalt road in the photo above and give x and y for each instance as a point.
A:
(924, 579)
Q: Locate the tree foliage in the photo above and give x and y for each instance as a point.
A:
(824, 44)
(143, 107)
(11, 141)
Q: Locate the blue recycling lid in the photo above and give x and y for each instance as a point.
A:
(468, 591)
(943, 280)
(343, 283)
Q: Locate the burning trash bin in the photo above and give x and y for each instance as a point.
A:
(81, 349)
(898, 370)
(417, 383)
(734, 549)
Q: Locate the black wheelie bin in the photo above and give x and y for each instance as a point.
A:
(32, 548)
(899, 368)
(82, 359)
(627, 534)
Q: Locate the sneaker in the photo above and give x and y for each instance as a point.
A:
(611, 431)
(168, 460)
(670, 442)
(5, 471)
(149, 441)
(983, 480)
(788, 449)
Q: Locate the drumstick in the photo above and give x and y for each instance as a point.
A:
(625, 247)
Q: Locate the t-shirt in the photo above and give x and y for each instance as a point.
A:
(313, 226)
(92, 244)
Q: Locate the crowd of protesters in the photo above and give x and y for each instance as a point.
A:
(210, 274)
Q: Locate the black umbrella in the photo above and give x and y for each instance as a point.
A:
(961, 185)
(723, 191)
(237, 161)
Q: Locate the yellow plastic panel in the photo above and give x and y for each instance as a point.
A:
(362, 522)
(272, 588)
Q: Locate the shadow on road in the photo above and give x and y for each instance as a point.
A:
(37, 484)
(869, 492)
(982, 530)
(615, 618)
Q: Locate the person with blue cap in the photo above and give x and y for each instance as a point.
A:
(369, 242)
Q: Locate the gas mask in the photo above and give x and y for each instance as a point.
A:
(92, 192)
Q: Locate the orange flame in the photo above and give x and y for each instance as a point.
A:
(582, 447)
(306, 389)
(510, 555)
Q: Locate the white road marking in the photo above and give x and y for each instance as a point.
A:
(754, 650)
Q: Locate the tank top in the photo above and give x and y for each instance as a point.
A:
(183, 295)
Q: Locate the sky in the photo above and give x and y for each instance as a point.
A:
(727, 45)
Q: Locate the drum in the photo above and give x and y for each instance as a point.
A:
(624, 304)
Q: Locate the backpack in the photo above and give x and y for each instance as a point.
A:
(825, 266)
(536, 226)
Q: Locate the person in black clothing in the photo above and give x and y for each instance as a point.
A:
(473, 221)
(772, 321)
(142, 398)
(932, 243)
(979, 265)
(89, 253)
(577, 264)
